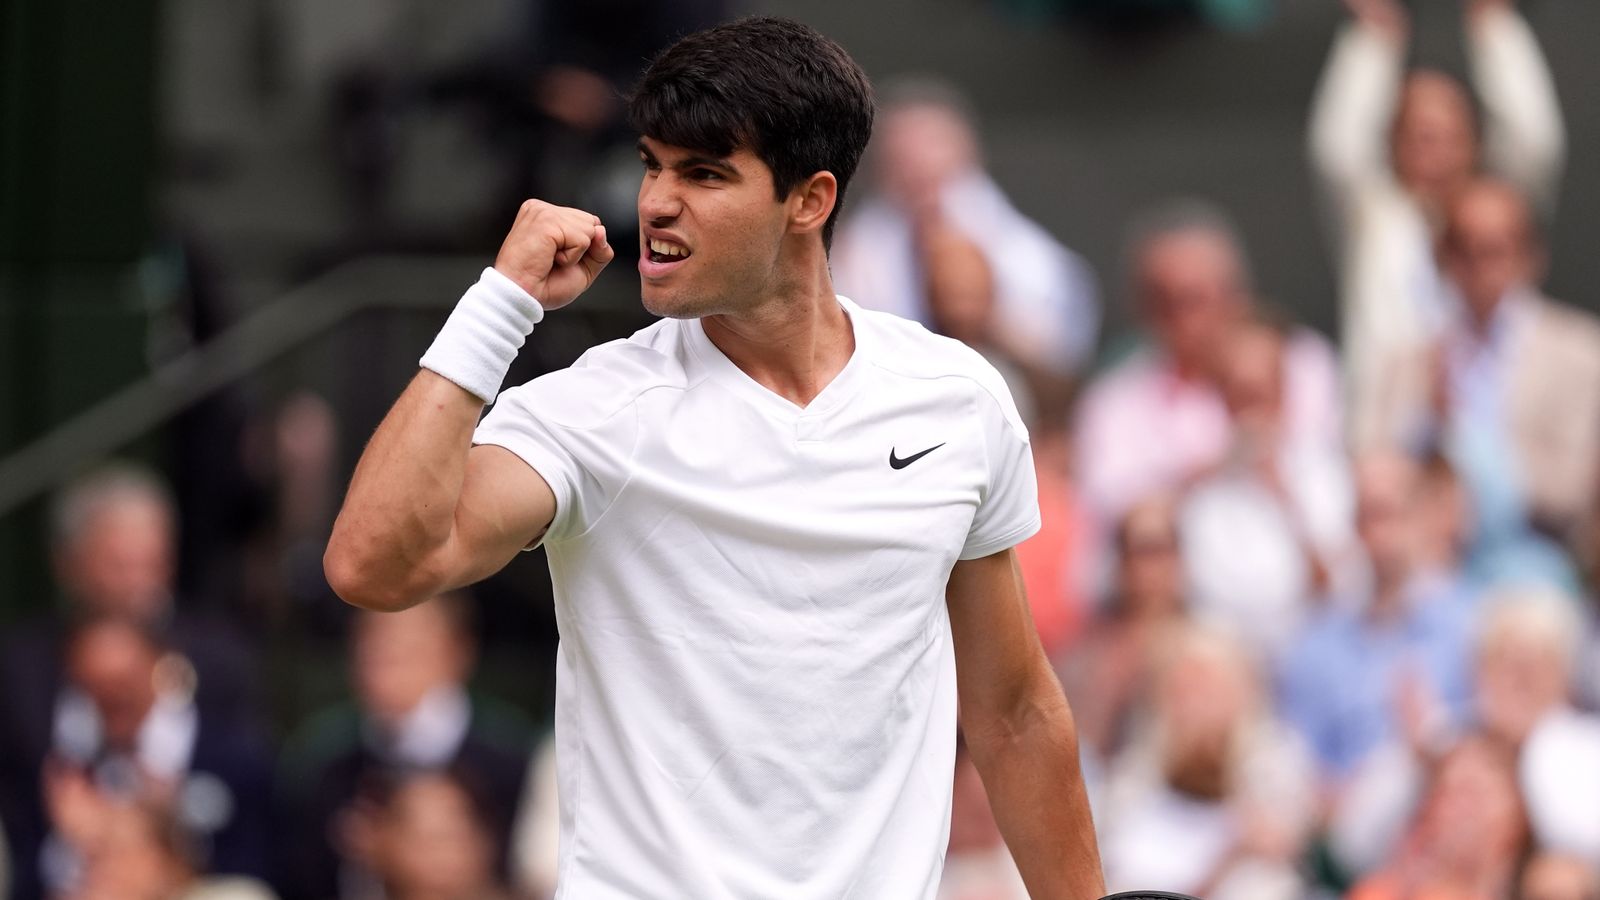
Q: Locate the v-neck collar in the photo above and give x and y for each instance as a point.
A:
(832, 394)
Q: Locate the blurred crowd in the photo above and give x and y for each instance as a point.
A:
(1328, 614)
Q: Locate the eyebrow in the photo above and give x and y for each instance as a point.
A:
(692, 161)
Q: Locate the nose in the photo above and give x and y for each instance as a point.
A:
(659, 199)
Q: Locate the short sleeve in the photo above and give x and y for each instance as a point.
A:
(1008, 512)
(584, 458)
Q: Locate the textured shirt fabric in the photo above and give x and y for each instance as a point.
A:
(756, 681)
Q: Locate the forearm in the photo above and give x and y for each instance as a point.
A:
(400, 508)
(1524, 134)
(1029, 763)
(1354, 103)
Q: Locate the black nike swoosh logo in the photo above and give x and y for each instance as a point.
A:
(896, 462)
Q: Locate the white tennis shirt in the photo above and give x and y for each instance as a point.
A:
(755, 685)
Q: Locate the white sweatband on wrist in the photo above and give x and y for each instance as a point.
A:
(475, 347)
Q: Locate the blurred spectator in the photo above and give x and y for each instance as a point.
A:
(932, 185)
(1467, 837)
(425, 836)
(977, 865)
(412, 714)
(1155, 421)
(1108, 674)
(1216, 797)
(1403, 640)
(114, 539)
(1392, 149)
(1516, 380)
(1521, 702)
(536, 837)
(1262, 533)
(1552, 876)
(137, 851)
(128, 731)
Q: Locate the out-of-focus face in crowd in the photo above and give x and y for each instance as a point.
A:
(1149, 571)
(921, 146)
(430, 840)
(132, 856)
(116, 551)
(1490, 245)
(1386, 521)
(1204, 696)
(1524, 662)
(1434, 138)
(398, 658)
(1192, 288)
(1251, 378)
(1472, 817)
(116, 665)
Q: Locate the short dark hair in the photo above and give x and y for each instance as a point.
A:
(792, 96)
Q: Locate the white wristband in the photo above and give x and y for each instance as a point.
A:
(480, 339)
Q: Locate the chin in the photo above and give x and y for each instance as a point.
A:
(672, 304)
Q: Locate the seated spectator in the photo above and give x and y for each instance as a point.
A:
(1553, 876)
(1467, 837)
(1391, 150)
(977, 865)
(129, 731)
(114, 540)
(1406, 632)
(426, 836)
(1521, 702)
(1262, 533)
(137, 851)
(412, 714)
(1108, 674)
(930, 178)
(1517, 378)
(1216, 797)
(1155, 420)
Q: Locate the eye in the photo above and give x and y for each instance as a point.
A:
(705, 175)
(650, 165)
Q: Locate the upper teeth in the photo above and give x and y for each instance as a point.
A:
(666, 249)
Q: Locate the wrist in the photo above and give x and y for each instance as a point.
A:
(475, 347)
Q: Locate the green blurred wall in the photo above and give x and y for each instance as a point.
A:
(77, 166)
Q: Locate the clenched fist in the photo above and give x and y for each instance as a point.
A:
(553, 252)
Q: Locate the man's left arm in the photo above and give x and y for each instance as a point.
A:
(1020, 732)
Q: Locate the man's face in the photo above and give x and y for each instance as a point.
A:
(710, 231)
(116, 668)
(1192, 290)
(1433, 142)
(122, 562)
(920, 148)
(399, 657)
(1487, 248)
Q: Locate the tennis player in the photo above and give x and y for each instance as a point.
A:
(779, 525)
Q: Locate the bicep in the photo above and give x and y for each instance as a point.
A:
(998, 655)
(505, 507)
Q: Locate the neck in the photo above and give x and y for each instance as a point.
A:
(792, 343)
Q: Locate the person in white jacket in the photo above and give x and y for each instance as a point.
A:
(1390, 147)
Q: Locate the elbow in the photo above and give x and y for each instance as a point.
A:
(360, 580)
(1036, 711)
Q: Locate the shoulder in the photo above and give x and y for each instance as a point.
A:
(1561, 321)
(907, 349)
(605, 380)
(1130, 374)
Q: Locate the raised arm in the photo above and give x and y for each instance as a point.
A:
(1356, 96)
(427, 511)
(1524, 138)
(1020, 731)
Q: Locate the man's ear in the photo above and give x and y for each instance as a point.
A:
(811, 202)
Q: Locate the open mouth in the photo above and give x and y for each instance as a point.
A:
(661, 251)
